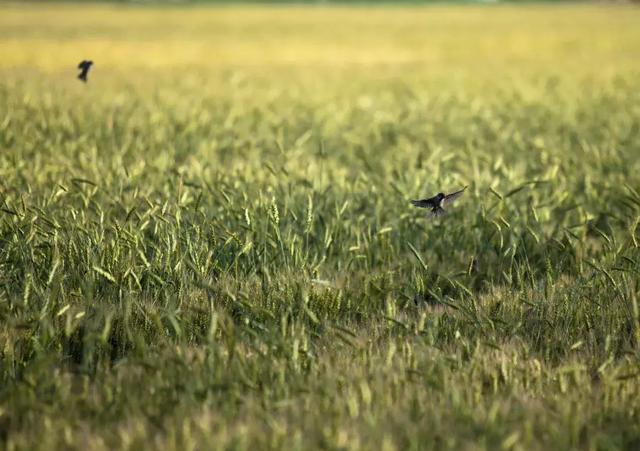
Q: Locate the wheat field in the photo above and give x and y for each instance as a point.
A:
(209, 245)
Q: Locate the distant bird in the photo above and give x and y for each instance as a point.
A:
(84, 67)
(437, 202)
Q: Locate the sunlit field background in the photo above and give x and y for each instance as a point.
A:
(210, 245)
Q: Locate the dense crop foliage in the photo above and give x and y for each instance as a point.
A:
(209, 245)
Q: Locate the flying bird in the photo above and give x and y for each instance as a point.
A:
(84, 67)
(437, 202)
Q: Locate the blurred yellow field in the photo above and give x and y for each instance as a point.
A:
(433, 39)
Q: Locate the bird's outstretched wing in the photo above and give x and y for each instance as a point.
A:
(81, 64)
(425, 203)
(421, 203)
(450, 198)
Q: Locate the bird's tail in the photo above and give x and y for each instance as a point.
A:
(436, 212)
(83, 77)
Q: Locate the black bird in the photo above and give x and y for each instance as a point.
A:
(438, 201)
(84, 67)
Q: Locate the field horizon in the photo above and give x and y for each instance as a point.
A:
(210, 243)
